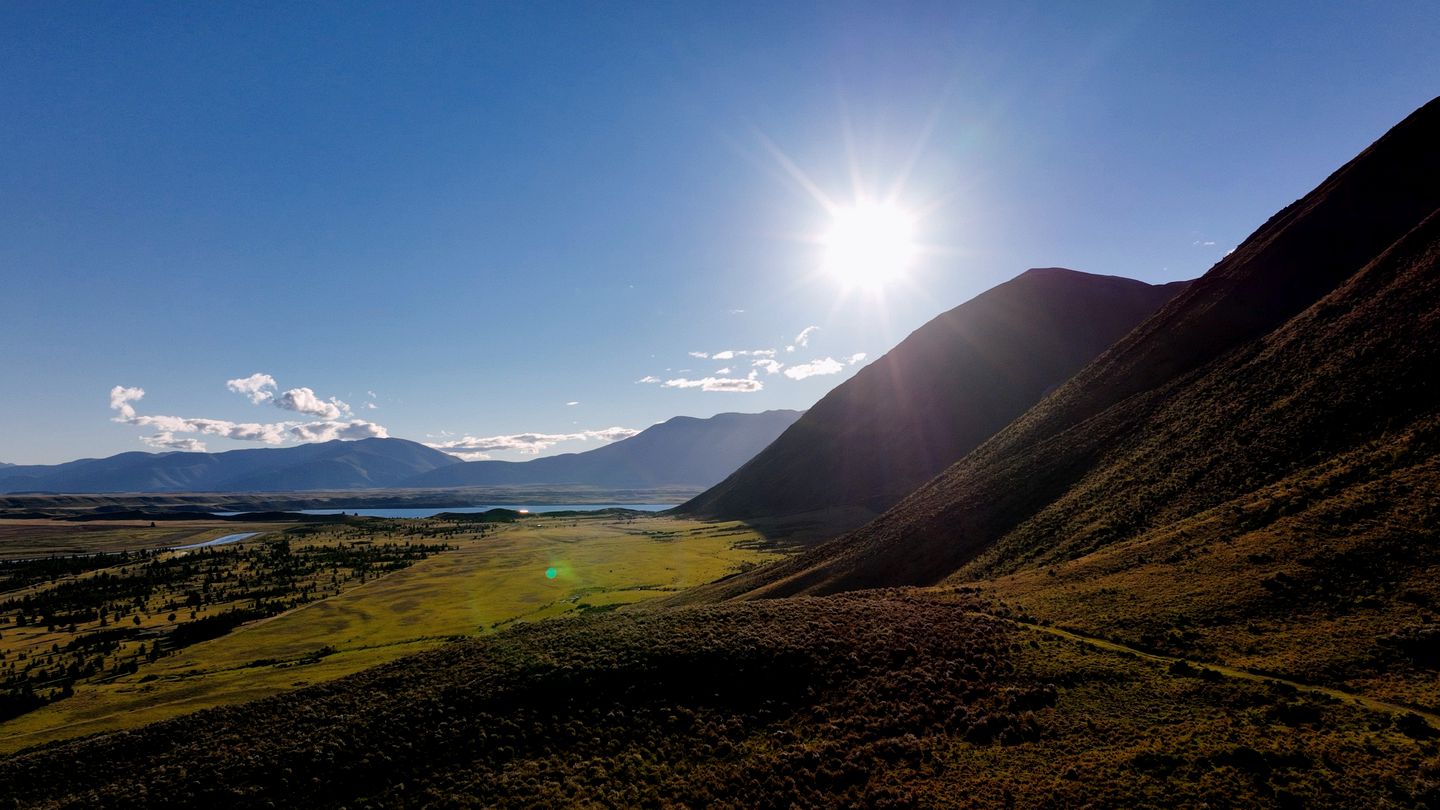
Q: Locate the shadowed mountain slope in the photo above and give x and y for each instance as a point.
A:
(679, 451)
(322, 465)
(1319, 335)
(942, 391)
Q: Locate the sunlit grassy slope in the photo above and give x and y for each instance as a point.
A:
(878, 699)
(485, 584)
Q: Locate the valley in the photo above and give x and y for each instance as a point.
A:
(340, 598)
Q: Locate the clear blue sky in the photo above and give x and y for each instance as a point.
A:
(483, 212)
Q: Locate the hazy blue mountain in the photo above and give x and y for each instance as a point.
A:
(325, 465)
(680, 451)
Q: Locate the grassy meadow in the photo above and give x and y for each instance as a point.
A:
(24, 539)
(491, 576)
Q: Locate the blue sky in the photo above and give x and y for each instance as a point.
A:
(469, 216)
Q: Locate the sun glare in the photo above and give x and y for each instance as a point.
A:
(869, 244)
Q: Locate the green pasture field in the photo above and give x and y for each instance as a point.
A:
(24, 539)
(541, 568)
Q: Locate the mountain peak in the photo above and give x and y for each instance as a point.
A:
(945, 388)
(1315, 338)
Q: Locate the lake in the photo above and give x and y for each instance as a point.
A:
(430, 511)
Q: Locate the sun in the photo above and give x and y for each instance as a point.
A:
(869, 244)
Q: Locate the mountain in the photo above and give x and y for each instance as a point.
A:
(942, 391)
(364, 463)
(680, 451)
(1298, 374)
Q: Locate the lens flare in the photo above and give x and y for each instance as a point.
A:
(869, 244)
(551, 573)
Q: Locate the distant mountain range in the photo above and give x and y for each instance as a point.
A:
(682, 451)
(1289, 397)
(364, 463)
(937, 395)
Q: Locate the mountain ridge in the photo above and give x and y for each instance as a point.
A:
(1070, 475)
(682, 450)
(939, 393)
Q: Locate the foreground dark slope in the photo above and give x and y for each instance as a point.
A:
(1319, 334)
(937, 395)
(683, 450)
(322, 465)
(873, 700)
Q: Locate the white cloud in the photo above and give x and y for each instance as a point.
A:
(803, 339)
(728, 354)
(169, 441)
(268, 433)
(370, 406)
(330, 430)
(253, 387)
(166, 427)
(770, 366)
(120, 399)
(648, 378)
(531, 443)
(814, 368)
(742, 385)
(304, 400)
(701, 355)
(737, 312)
(725, 370)
(573, 402)
(856, 358)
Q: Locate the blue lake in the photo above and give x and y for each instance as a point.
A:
(429, 511)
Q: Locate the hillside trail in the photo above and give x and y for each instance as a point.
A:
(1230, 672)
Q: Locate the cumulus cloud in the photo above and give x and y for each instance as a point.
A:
(120, 399)
(169, 441)
(531, 443)
(742, 385)
(814, 368)
(648, 378)
(770, 366)
(304, 400)
(330, 430)
(257, 387)
(701, 355)
(167, 428)
(856, 358)
(725, 370)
